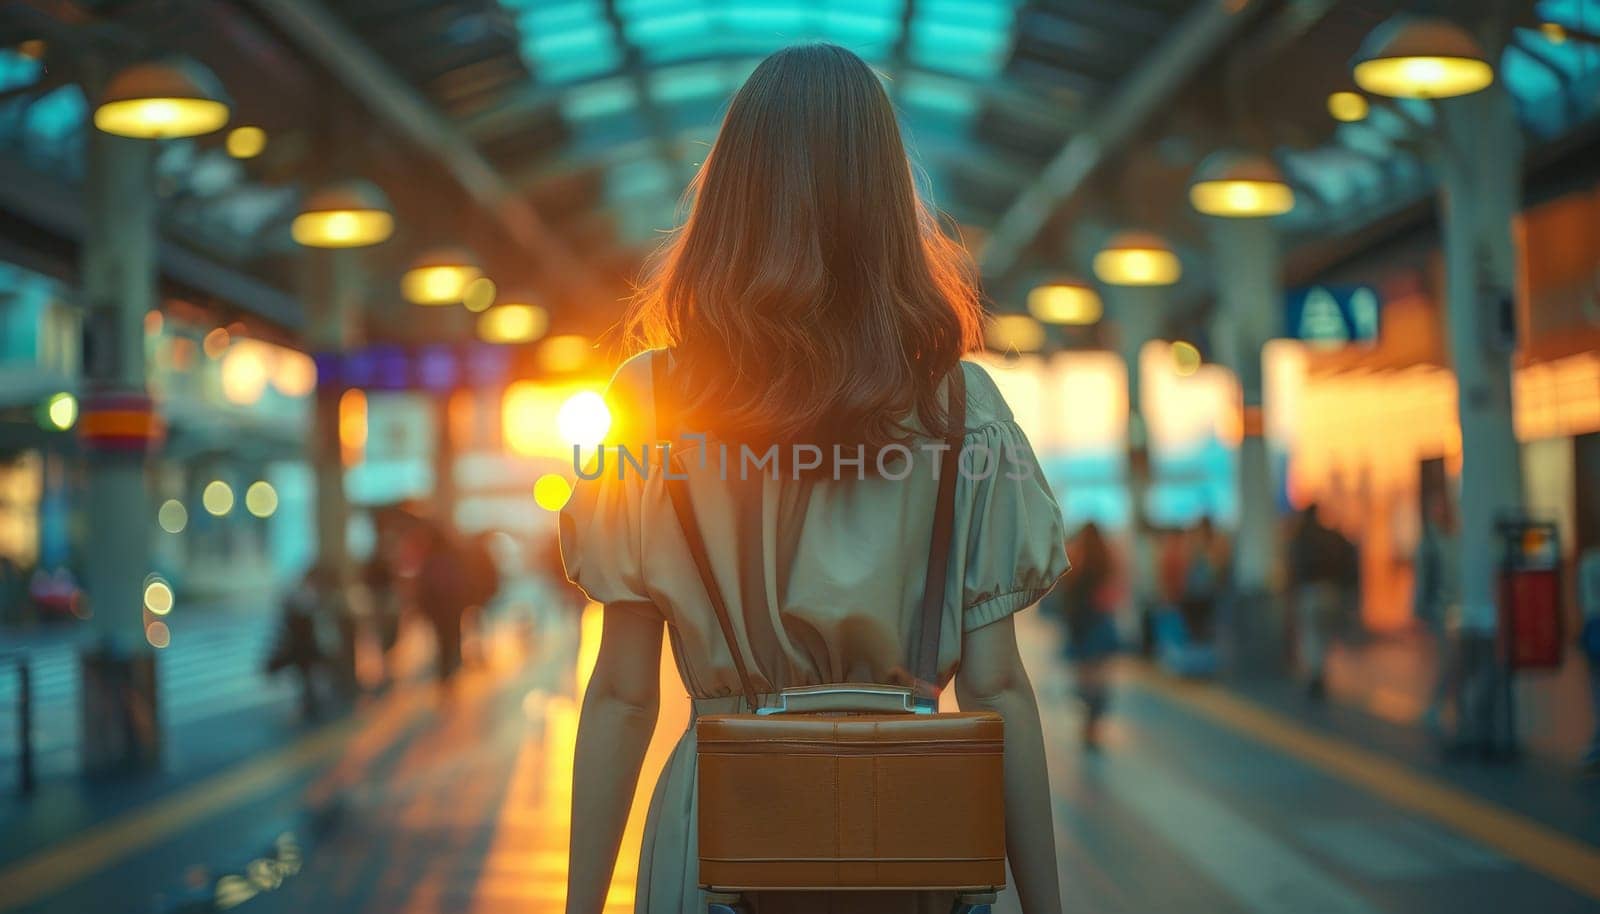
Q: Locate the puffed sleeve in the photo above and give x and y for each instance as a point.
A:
(602, 531)
(1014, 535)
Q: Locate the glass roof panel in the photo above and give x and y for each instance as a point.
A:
(600, 99)
(925, 97)
(1575, 13)
(17, 70)
(54, 118)
(685, 83)
(961, 49)
(662, 31)
(642, 178)
(1542, 101)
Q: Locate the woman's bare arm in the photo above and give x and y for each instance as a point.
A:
(991, 678)
(614, 729)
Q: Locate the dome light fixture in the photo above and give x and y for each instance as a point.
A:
(1413, 57)
(161, 100)
(1065, 300)
(513, 323)
(1015, 333)
(1137, 259)
(349, 214)
(439, 277)
(1240, 185)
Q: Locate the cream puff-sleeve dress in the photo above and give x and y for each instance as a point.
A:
(823, 579)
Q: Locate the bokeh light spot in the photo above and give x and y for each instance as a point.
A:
(217, 497)
(584, 418)
(172, 516)
(552, 491)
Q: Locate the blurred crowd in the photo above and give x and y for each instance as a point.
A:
(419, 570)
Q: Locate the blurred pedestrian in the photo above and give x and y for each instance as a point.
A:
(1172, 568)
(1205, 572)
(12, 591)
(300, 643)
(1322, 575)
(442, 597)
(382, 582)
(1589, 603)
(1436, 605)
(1085, 602)
(480, 581)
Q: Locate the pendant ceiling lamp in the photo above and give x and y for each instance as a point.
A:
(161, 100)
(515, 319)
(1137, 259)
(1240, 185)
(1412, 57)
(1014, 333)
(439, 277)
(1065, 300)
(348, 214)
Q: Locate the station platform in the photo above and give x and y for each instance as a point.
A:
(1205, 798)
(212, 671)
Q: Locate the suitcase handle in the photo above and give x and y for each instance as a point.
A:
(812, 699)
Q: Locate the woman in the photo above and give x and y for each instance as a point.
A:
(809, 301)
(1086, 603)
(441, 594)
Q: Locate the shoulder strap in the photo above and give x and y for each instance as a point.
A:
(930, 620)
(684, 509)
(930, 624)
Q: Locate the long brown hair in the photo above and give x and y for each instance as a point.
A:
(810, 295)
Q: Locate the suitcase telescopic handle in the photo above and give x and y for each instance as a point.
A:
(881, 699)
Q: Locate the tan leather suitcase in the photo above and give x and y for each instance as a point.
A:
(851, 800)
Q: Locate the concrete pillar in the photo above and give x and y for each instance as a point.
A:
(1139, 312)
(1480, 159)
(333, 301)
(118, 427)
(334, 294)
(1250, 302)
(1249, 305)
(1480, 163)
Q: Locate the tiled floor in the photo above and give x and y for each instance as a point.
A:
(1202, 801)
(1392, 678)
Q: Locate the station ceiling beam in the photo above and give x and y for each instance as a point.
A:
(1187, 48)
(364, 73)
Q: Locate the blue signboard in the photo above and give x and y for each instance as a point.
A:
(388, 367)
(1332, 315)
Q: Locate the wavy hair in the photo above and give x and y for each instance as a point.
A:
(810, 295)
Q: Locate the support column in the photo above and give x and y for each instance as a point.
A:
(445, 449)
(119, 725)
(1480, 161)
(333, 300)
(1138, 311)
(1249, 302)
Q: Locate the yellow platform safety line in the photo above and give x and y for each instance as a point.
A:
(100, 846)
(1565, 859)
